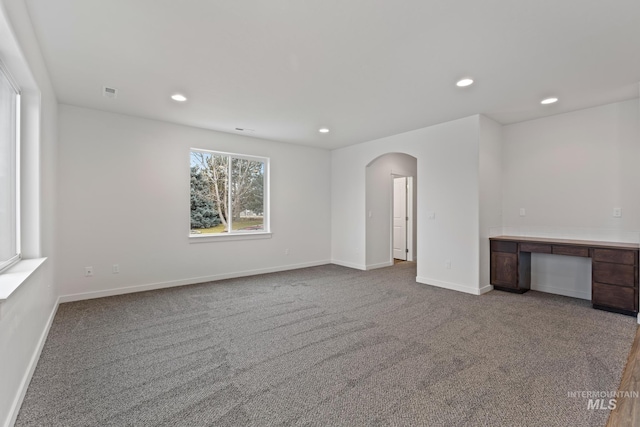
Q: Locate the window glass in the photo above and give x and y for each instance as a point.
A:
(8, 173)
(227, 193)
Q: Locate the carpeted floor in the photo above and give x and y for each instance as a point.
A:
(326, 346)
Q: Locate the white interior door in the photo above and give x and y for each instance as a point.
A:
(400, 218)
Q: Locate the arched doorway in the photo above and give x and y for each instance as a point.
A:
(384, 174)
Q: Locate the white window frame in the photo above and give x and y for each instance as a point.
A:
(15, 169)
(265, 233)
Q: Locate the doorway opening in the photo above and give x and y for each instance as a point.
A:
(390, 232)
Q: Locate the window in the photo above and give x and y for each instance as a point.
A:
(229, 194)
(9, 170)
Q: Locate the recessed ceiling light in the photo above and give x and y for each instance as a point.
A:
(323, 130)
(464, 82)
(178, 97)
(547, 101)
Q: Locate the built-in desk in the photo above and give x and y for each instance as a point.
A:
(614, 267)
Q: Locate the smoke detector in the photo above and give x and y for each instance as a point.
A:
(109, 92)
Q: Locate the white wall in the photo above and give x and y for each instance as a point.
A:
(379, 198)
(490, 184)
(569, 171)
(118, 193)
(124, 198)
(447, 185)
(25, 315)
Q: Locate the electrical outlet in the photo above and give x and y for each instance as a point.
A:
(286, 251)
(522, 212)
(447, 264)
(617, 212)
(115, 269)
(88, 271)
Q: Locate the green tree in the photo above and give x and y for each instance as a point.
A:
(203, 213)
(247, 184)
(247, 187)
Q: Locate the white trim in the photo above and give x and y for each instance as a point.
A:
(33, 362)
(379, 265)
(574, 293)
(485, 289)
(234, 155)
(410, 255)
(224, 237)
(18, 172)
(230, 185)
(349, 264)
(638, 318)
(183, 282)
(6, 265)
(11, 279)
(453, 286)
(12, 82)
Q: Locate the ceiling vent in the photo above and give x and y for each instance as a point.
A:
(109, 92)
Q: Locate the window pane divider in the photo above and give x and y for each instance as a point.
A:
(229, 191)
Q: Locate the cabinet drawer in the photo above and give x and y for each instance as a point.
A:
(499, 246)
(535, 247)
(613, 296)
(614, 274)
(617, 256)
(571, 250)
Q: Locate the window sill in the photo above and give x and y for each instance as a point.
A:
(228, 237)
(11, 279)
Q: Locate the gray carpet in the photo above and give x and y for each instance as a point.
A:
(326, 346)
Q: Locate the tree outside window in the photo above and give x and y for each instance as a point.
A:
(227, 193)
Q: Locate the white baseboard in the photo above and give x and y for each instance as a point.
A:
(183, 282)
(453, 286)
(349, 264)
(559, 291)
(485, 289)
(379, 265)
(33, 362)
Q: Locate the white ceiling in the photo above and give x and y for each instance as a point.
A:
(364, 68)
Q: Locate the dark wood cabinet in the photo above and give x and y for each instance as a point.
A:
(615, 279)
(510, 270)
(614, 297)
(614, 274)
(616, 256)
(614, 268)
(504, 269)
(570, 250)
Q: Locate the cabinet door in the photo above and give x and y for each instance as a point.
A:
(504, 269)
